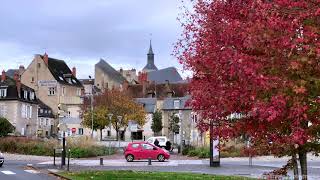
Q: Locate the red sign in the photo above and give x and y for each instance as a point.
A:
(73, 130)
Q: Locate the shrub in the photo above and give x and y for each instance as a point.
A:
(186, 149)
(79, 148)
(5, 127)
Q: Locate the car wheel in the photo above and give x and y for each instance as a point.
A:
(160, 158)
(129, 157)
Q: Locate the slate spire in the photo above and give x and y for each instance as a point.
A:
(150, 61)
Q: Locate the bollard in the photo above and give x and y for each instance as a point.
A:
(54, 157)
(68, 160)
(101, 161)
(144, 138)
(149, 161)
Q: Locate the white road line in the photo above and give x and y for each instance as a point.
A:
(8, 172)
(32, 171)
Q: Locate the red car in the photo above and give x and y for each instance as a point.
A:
(144, 150)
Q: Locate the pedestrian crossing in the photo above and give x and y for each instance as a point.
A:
(7, 172)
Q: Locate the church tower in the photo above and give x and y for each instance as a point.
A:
(150, 62)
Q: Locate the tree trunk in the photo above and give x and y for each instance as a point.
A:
(295, 167)
(117, 134)
(303, 164)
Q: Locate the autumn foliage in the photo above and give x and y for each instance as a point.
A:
(260, 59)
(113, 102)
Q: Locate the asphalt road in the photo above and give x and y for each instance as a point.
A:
(18, 170)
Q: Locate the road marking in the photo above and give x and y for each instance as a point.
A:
(32, 171)
(8, 172)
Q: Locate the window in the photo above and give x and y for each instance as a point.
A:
(176, 104)
(51, 91)
(108, 133)
(69, 114)
(47, 122)
(25, 94)
(41, 110)
(39, 65)
(3, 93)
(135, 146)
(147, 146)
(32, 79)
(78, 92)
(31, 95)
(80, 131)
(136, 135)
(63, 91)
(26, 111)
(40, 122)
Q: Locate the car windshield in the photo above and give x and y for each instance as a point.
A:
(161, 140)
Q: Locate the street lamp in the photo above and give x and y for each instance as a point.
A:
(91, 102)
(119, 121)
(110, 118)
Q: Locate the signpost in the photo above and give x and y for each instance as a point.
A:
(63, 127)
(214, 149)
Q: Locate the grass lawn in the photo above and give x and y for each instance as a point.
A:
(99, 175)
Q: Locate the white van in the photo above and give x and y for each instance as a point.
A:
(162, 140)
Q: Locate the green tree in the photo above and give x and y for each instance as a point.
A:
(100, 119)
(174, 123)
(5, 127)
(156, 125)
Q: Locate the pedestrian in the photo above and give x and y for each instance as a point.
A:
(168, 146)
(156, 143)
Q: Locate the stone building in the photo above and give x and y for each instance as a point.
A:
(56, 86)
(18, 104)
(106, 77)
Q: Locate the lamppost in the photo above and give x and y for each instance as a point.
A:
(110, 118)
(119, 122)
(91, 102)
(63, 127)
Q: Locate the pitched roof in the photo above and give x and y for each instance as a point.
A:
(11, 72)
(14, 94)
(160, 90)
(110, 71)
(61, 72)
(149, 104)
(46, 110)
(168, 103)
(161, 76)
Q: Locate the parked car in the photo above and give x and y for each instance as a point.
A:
(1, 159)
(162, 140)
(144, 150)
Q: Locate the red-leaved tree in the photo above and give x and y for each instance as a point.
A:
(260, 59)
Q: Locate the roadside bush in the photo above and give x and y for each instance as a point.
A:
(79, 148)
(186, 149)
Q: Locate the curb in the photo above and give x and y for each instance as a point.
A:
(50, 173)
(58, 175)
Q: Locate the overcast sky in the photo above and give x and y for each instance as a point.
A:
(83, 31)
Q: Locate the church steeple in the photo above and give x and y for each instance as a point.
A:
(150, 49)
(150, 62)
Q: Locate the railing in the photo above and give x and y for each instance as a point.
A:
(71, 100)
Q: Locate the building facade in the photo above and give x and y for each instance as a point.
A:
(56, 86)
(18, 104)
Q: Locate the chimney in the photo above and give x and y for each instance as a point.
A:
(45, 58)
(18, 83)
(3, 76)
(121, 71)
(74, 71)
(125, 85)
(21, 69)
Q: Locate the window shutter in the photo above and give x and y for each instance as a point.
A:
(30, 112)
(23, 111)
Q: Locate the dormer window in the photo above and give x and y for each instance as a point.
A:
(3, 93)
(78, 92)
(31, 95)
(25, 94)
(176, 104)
